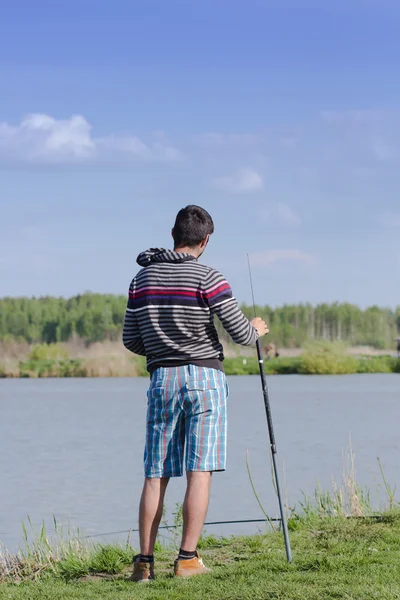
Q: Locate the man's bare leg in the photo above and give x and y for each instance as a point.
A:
(195, 508)
(150, 512)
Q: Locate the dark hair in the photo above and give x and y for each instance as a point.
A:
(192, 225)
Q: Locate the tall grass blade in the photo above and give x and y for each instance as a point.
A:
(255, 492)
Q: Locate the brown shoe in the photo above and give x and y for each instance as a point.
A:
(190, 567)
(142, 571)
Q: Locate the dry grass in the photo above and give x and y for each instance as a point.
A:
(103, 359)
(347, 498)
(11, 353)
(65, 552)
(111, 359)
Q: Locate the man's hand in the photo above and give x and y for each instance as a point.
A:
(260, 325)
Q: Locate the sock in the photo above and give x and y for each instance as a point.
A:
(146, 558)
(184, 555)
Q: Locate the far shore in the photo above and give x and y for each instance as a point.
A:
(111, 359)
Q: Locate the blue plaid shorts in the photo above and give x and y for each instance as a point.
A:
(186, 408)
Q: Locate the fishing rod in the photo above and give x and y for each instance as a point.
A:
(271, 431)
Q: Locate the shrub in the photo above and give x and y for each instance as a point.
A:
(327, 358)
(379, 344)
(140, 366)
(241, 366)
(48, 352)
(52, 368)
(282, 366)
(375, 364)
(396, 365)
(249, 366)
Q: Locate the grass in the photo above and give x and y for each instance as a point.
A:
(112, 360)
(313, 365)
(133, 366)
(319, 358)
(249, 366)
(333, 558)
(75, 359)
(305, 365)
(341, 549)
(52, 368)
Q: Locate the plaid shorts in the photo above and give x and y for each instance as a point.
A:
(186, 407)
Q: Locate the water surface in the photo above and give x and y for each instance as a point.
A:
(74, 447)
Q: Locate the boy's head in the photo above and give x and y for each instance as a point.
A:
(192, 229)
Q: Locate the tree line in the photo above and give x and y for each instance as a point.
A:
(99, 317)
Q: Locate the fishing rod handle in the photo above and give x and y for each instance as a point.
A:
(266, 398)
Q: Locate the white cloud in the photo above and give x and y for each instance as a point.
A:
(270, 257)
(281, 212)
(287, 215)
(244, 181)
(40, 138)
(129, 146)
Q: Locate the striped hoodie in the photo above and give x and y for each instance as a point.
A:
(171, 307)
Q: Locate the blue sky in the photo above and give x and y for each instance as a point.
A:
(281, 118)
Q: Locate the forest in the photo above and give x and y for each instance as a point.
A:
(99, 317)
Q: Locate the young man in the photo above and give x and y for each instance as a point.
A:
(169, 319)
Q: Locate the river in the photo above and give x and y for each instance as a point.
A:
(73, 448)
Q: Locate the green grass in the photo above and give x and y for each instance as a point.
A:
(313, 365)
(98, 559)
(249, 366)
(52, 368)
(305, 365)
(339, 551)
(333, 558)
(319, 358)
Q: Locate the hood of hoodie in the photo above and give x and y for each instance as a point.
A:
(161, 255)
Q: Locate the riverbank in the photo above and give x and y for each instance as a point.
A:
(314, 365)
(112, 360)
(332, 558)
(233, 366)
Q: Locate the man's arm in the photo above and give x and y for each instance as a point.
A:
(218, 295)
(131, 337)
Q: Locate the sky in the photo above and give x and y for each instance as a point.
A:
(281, 118)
